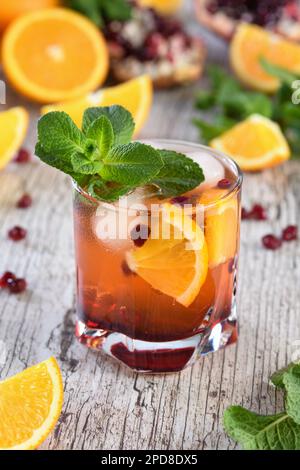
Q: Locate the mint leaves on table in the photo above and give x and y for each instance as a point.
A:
(232, 103)
(275, 432)
(100, 11)
(104, 161)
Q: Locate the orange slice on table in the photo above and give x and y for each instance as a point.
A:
(13, 128)
(135, 95)
(251, 43)
(54, 54)
(221, 225)
(255, 144)
(175, 260)
(162, 6)
(30, 405)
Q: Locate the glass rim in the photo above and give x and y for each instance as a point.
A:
(235, 188)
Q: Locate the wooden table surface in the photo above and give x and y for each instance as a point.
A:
(107, 406)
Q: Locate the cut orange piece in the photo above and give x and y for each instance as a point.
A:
(13, 128)
(220, 225)
(175, 260)
(165, 7)
(54, 55)
(9, 11)
(30, 405)
(135, 95)
(251, 43)
(255, 144)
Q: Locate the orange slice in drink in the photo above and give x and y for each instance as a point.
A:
(13, 128)
(54, 54)
(251, 43)
(174, 260)
(30, 404)
(255, 144)
(221, 225)
(135, 95)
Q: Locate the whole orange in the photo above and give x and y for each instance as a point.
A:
(11, 9)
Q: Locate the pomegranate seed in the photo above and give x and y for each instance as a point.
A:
(180, 200)
(16, 286)
(245, 214)
(140, 234)
(258, 212)
(23, 156)
(224, 183)
(6, 278)
(25, 201)
(271, 242)
(290, 233)
(17, 233)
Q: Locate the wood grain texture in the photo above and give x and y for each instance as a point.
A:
(107, 406)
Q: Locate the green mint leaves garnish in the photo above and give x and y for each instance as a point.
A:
(100, 11)
(275, 432)
(104, 161)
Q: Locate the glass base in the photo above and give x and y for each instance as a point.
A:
(160, 357)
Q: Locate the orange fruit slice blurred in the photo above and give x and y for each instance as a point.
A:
(30, 404)
(13, 128)
(11, 9)
(221, 225)
(174, 260)
(53, 55)
(165, 7)
(255, 144)
(135, 95)
(251, 43)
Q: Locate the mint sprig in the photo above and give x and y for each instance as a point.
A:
(100, 11)
(275, 432)
(102, 159)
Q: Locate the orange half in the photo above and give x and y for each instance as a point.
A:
(54, 54)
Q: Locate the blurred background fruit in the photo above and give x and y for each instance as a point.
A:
(12, 9)
(13, 128)
(135, 95)
(54, 55)
(162, 6)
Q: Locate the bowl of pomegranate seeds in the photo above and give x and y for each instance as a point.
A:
(156, 45)
(223, 16)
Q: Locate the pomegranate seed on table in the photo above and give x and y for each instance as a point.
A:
(17, 233)
(290, 233)
(258, 212)
(16, 286)
(24, 202)
(23, 156)
(6, 278)
(271, 242)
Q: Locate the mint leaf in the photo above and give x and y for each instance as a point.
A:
(63, 164)
(179, 174)
(291, 381)
(59, 136)
(81, 164)
(101, 131)
(116, 9)
(132, 164)
(282, 74)
(277, 377)
(109, 192)
(120, 119)
(255, 432)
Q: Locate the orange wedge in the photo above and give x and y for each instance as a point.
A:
(175, 260)
(30, 404)
(13, 128)
(165, 7)
(220, 225)
(135, 95)
(255, 144)
(251, 43)
(53, 55)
